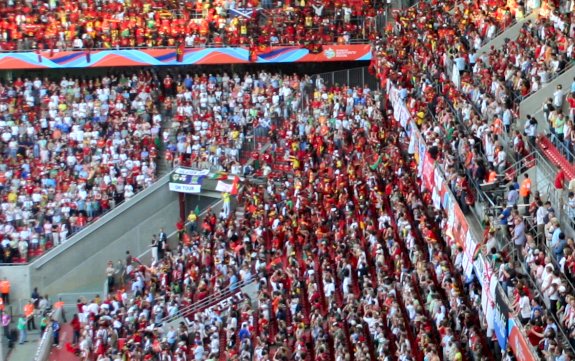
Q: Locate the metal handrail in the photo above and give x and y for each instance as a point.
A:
(45, 344)
(500, 31)
(559, 325)
(555, 76)
(562, 148)
(210, 300)
(515, 320)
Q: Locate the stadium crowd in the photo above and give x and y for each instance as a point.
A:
(334, 243)
(348, 260)
(471, 129)
(75, 148)
(72, 149)
(68, 25)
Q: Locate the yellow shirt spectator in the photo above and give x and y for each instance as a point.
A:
(12, 197)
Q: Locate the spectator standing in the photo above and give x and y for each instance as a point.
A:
(154, 246)
(23, 335)
(162, 243)
(6, 320)
(55, 332)
(192, 220)
(571, 101)
(531, 131)
(35, 297)
(548, 107)
(5, 290)
(571, 206)
(44, 321)
(525, 189)
(76, 327)
(519, 237)
(119, 273)
(558, 246)
(512, 197)
(226, 198)
(29, 311)
(110, 270)
(523, 307)
(558, 96)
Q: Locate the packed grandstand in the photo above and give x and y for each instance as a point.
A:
(345, 217)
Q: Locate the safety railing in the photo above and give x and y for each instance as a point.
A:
(562, 147)
(542, 162)
(352, 77)
(553, 76)
(510, 316)
(565, 339)
(476, 218)
(199, 45)
(211, 300)
(45, 344)
(505, 27)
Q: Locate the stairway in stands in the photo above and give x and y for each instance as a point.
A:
(162, 165)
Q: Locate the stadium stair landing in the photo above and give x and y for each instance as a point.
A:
(162, 165)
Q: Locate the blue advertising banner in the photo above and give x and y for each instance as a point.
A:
(501, 318)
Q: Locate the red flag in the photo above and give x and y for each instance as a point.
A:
(180, 51)
(273, 263)
(235, 186)
(186, 239)
(52, 44)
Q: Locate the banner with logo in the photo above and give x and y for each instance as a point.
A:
(48, 59)
(190, 171)
(469, 249)
(484, 275)
(420, 155)
(428, 176)
(186, 183)
(519, 343)
(501, 318)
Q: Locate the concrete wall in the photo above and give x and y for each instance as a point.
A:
(79, 264)
(20, 280)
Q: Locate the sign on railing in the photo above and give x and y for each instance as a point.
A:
(168, 56)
